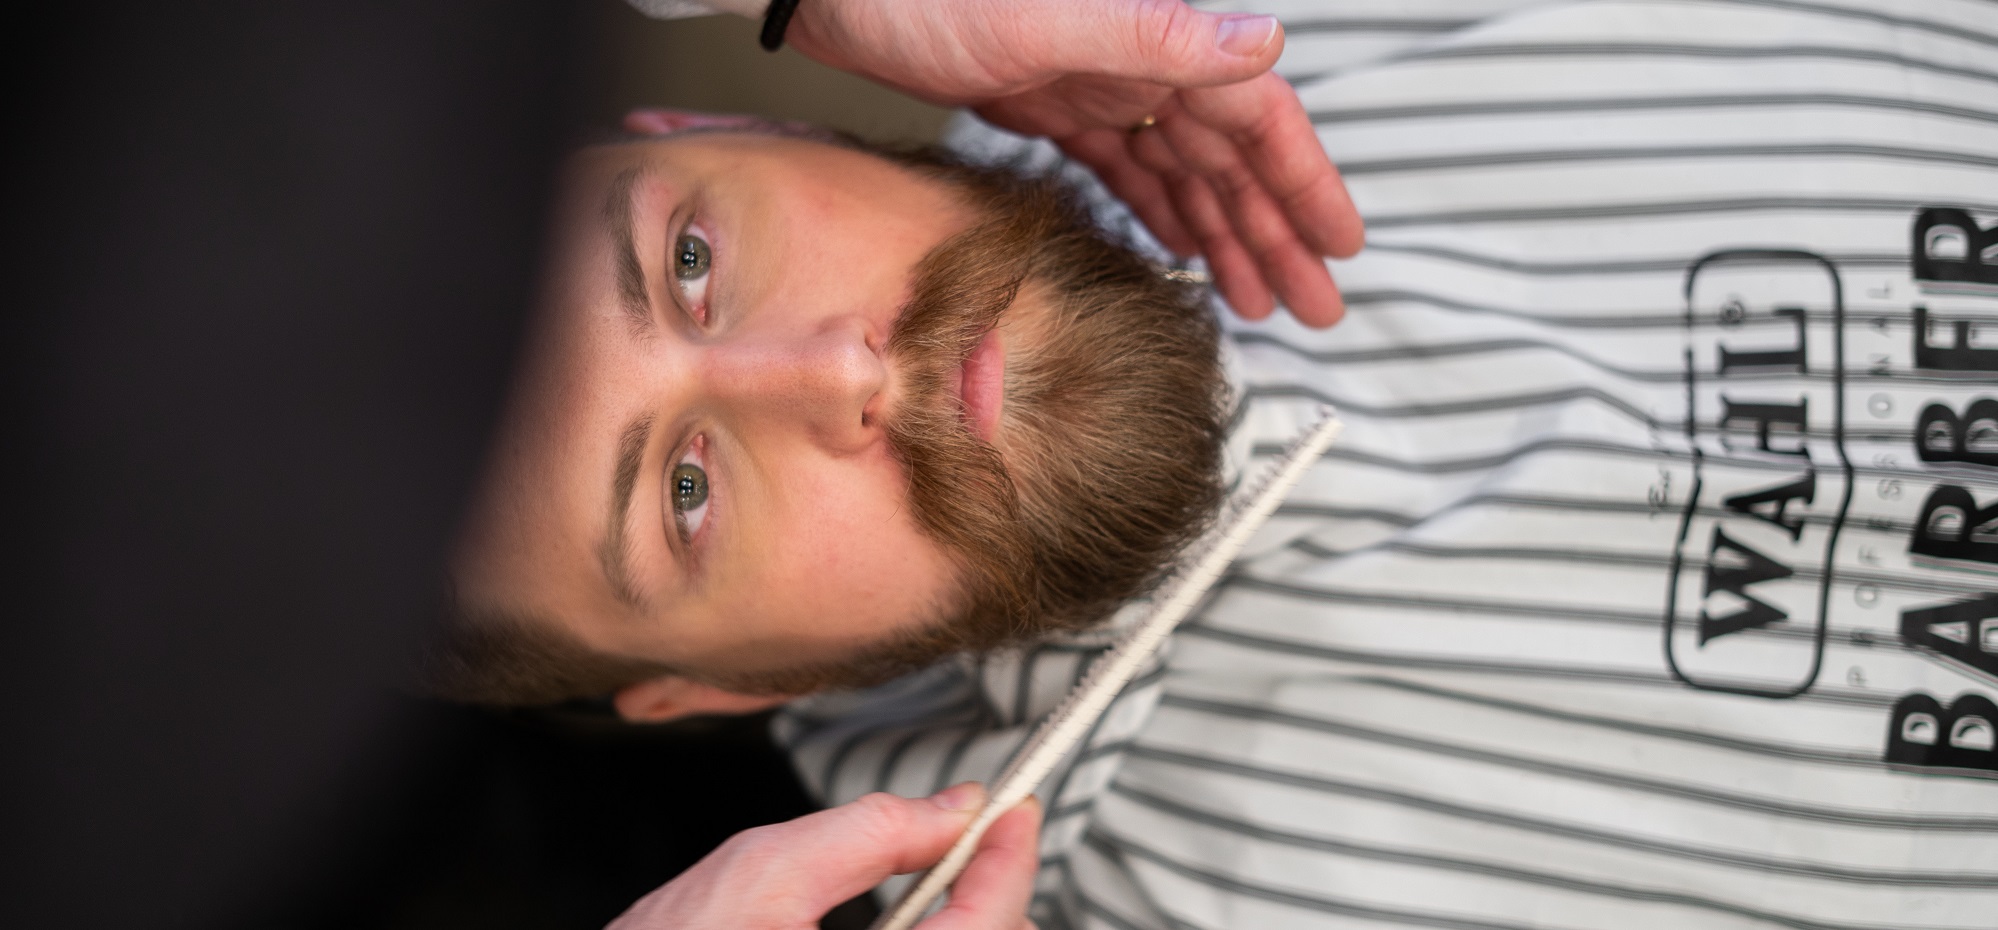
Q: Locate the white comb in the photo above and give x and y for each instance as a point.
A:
(1064, 728)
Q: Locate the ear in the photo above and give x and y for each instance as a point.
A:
(670, 697)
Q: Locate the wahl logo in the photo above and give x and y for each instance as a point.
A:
(1952, 251)
(1745, 610)
(1923, 732)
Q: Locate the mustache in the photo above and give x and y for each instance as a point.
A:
(932, 338)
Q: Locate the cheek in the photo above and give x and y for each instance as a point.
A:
(853, 546)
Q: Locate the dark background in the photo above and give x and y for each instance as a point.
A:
(267, 267)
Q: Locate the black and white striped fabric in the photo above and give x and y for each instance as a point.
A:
(1654, 582)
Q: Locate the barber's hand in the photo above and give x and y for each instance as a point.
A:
(1231, 170)
(788, 875)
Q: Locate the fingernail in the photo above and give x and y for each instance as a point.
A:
(962, 797)
(1246, 36)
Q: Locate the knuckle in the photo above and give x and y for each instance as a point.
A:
(881, 816)
(751, 850)
(1251, 127)
(1232, 180)
(1163, 31)
(758, 862)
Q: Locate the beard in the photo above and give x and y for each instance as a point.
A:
(1108, 452)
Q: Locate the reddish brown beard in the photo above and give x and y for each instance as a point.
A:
(1111, 426)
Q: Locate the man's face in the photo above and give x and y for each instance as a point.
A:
(694, 469)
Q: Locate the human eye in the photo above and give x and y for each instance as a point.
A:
(687, 490)
(691, 260)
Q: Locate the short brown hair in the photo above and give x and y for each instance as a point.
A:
(1113, 428)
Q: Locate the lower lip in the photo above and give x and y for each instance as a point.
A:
(983, 388)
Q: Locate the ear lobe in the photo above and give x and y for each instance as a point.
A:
(670, 697)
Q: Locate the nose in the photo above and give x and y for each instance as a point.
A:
(831, 380)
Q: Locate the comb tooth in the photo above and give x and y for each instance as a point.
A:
(1064, 727)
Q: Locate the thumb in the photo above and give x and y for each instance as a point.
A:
(855, 846)
(792, 873)
(1161, 41)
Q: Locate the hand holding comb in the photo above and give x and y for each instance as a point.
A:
(1065, 727)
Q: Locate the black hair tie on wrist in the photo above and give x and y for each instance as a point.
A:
(775, 19)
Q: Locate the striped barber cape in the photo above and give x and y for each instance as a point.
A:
(1654, 582)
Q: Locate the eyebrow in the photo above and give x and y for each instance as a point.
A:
(614, 551)
(618, 218)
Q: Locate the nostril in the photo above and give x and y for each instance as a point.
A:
(870, 412)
